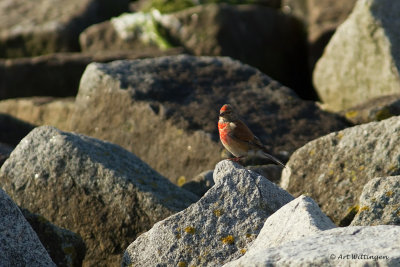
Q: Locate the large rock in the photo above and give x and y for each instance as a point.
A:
(321, 18)
(130, 31)
(165, 110)
(94, 188)
(57, 74)
(379, 202)
(362, 60)
(64, 247)
(42, 27)
(298, 219)
(216, 229)
(348, 246)
(214, 30)
(274, 42)
(19, 244)
(334, 169)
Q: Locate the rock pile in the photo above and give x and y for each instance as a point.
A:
(91, 187)
(109, 142)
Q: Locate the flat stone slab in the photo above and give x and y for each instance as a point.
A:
(348, 246)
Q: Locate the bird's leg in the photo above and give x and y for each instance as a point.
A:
(236, 159)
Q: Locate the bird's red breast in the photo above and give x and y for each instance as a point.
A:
(223, 129)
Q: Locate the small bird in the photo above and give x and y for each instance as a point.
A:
(237, 138)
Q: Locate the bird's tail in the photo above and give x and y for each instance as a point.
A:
(273, 159)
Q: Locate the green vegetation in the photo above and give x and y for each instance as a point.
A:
(142, 26)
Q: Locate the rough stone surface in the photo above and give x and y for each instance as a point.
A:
(41, 27)
(334, 169)
(103, 36)
(96, 189)
(19, 244)
(379, 202)
(275, 42)
(362, 60)
(348, 246)
(129, 31)
(57, 74)
(167, 109)
(64, 247)
(298, 219)
(321, 18)
(376, 109)
(216, 229)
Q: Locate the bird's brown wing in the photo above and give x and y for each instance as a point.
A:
(242, 133)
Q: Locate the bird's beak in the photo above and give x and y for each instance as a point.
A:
(221, 114)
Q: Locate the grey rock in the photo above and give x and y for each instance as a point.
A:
(57, 74)
(103, 36)
(219, 30)
(94, 188)
(371, 36)
(217, 228)
(42, 27)
(129, 31)
(64, 247)
(19, 244)
(334, 169)
(348, 246)
(379, 202)
(376, 109)
(298, 219)
(140, 103)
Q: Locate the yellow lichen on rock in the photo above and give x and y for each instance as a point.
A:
(190, 230)
(229, 240)
(218, 212)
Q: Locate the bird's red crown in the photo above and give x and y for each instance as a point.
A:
(224, 108)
